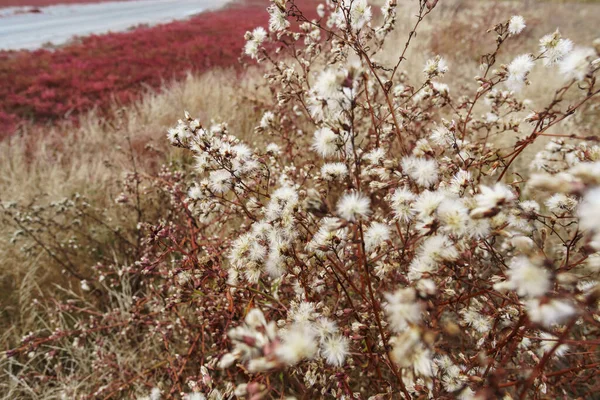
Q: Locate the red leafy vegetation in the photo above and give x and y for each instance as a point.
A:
(45, 85)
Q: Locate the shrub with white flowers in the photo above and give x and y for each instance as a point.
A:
(381, 243)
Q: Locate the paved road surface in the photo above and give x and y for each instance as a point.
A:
(58, 24)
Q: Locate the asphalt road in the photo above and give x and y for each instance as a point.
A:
(58, 24)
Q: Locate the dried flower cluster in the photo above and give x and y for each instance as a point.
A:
(376, 242)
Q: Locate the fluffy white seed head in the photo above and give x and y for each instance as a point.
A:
(354, 206)
(516, 25)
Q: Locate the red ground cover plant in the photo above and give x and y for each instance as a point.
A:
(45, 85)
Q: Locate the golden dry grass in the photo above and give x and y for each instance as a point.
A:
(92, 160)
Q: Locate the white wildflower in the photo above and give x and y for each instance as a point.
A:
(220, 181)
(321, 10)
(577, 64)
(376, 235)
(259, 34)
(298, 343)
(490, 199)
(277, 20)
(560, 203)
(302, 312)
(550, 312)
(273, 149)
(589, 210)
(402, 308)
(440, 135)
(554, 48)
(375, 156)
(517, 72)
(526, 278)
(328, 83)
(333, 171)
(155, 394)
(516, 25)
(453, 214)
(435, 67)
(360, 14)
(267, 120)
(401, 203)
(422, 170)
(548, 342)
(85, 286)
(427, 202)
(353, 206)
(438, 248)
(335, 350)
(325, 142)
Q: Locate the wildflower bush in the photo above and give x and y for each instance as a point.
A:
(376, 238)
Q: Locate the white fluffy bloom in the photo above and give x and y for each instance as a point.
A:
(422, 170)
(333, 171)
(335, 349)
(328, 235)
(548, 342)
(490, 199)
(577, 64)
(589, 210)
(155, 394)
(360, 14)
(438, 248)
(328, 83)
(85, 286)
(402, 308)
(454, 216)
(401, 202)
(549, 313)
(273, 149)
(404, 345)
(428, 202)
(325, 142)
(516, 25)
(375, 156)
(435, 67)
(298, 343)
(202, 162)
(321, 10)
(178, 133)
(555, 48)
(353, 206)
(302, 312)
(277, 19)
(255, 318)
(220, 181)
(460, 180)
(478, 321)
(440, 135)
(259, 34)
(376, 235)
(442, 88)
(560, 203)
(251, 48)
(526, 278)
(517, 72)
(267, 119)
